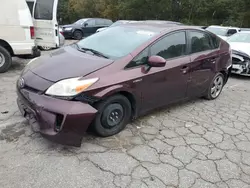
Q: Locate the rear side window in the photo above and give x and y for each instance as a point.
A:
(44, 9)
(215, 41)
(171, 46)
(200, 42)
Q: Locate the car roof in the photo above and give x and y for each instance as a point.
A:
(159, 27)
(226, 27)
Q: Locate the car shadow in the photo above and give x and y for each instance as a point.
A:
(240, 77)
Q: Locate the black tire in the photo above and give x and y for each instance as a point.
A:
(102, 122)
(5, 60)
(77, 35)
(209, 95)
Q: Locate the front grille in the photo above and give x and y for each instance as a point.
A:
(33, 90)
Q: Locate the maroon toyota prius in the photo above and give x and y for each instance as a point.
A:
(114, 76)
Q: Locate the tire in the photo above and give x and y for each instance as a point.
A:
(217, 85)
(5, 60)
(77, 35)
(120, 107)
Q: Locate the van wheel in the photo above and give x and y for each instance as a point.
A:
(5, 60)
(77, 35)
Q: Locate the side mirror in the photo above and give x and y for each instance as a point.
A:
(85, 24)
(156, 61)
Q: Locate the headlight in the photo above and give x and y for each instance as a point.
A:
(70, 87)
(68, 29)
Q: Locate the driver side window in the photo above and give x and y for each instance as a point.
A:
(140, 59)
(90, 23)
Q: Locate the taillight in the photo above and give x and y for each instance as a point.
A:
(61, 32)
(32, 32)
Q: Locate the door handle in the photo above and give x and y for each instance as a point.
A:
(213, 59)
(184, 69)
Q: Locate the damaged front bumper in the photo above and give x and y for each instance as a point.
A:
(61, 121)
(241, 63)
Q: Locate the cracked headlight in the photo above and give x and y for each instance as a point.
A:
(70, 87)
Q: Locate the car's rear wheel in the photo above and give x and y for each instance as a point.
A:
(77, 35)
(215, 87)
(5, 60)
(113, 115)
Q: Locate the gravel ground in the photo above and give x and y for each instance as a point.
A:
(198, 144)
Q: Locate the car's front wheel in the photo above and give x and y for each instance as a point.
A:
(113, 115)
(215, 87)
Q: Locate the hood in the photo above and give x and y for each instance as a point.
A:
(65, 63)
(241, 47)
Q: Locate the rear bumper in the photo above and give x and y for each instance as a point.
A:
(67, 34)
(60, 121)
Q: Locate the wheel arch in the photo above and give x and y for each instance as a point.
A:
(7, 46)
(120, 90)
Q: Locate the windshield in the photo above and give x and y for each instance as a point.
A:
(79, 22)
(218, 30)
(240, 37)
(117, 42)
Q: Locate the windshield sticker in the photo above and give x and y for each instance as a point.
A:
(141, 32)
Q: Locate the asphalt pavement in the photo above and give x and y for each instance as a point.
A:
(196, 144)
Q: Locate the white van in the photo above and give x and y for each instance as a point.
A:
(20, 34)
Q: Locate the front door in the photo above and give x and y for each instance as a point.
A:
(165, 85)
(45, 23)
(203, 57)
(89, 27)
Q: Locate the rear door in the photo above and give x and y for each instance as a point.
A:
(45, 23)
(204, 55)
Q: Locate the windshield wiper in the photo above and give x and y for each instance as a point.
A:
(95, 52)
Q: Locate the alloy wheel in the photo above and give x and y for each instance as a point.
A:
(217, 86)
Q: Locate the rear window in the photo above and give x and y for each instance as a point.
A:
(44, 9)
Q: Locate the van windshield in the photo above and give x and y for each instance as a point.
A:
(44, 9)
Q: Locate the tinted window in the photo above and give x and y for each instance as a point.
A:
(215, 41)
(171, 46)
(117, 42)
(231, 31)
(200, 42)
(140, 59)
(44, 9)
